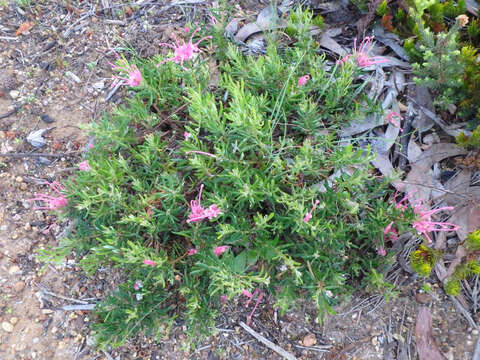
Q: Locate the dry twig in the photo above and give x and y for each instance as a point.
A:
(283, 353)
(464, 312)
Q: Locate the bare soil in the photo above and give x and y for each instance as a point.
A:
(36, 70)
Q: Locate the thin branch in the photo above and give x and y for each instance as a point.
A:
(464, 312)
(32, 154)
(64, 297)
(476, 351)
(83, 307)
(283, 353)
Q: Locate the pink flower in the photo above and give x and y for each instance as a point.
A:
(381, 251)
(199, 213)
(138, 284)
(192, 251)
(401, 205)
(149, 262)
(131, 75)
(183, 51)
(187, 135)
(219, 250)
(302, 80)
(84, 165)
(361, 54)
(53, 202)
(308, 216)
(90, 146)
(223, 299)
(391, 119)
(390, 232)
(250, 296)
(212, 211)
(247, 294)
(424, 224)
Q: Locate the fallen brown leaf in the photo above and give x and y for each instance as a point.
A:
(25, 27)
(426, 347)
(419, 182)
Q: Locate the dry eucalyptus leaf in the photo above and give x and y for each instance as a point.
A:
(459, 255)
(362, 125)
(419, 181)
(472, 7)
(35, 138)
(423, 98)
(391, 40)
(414, 151)
(328, 43)
(467, 218)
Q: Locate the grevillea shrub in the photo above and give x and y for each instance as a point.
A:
(208, 185)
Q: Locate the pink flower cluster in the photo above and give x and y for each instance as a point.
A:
(184, 51)
(392, 118)
(84, 166)
(302, 80)
(308, 216)
(219, 250)
(199, 213)
(361, 54)
(423, 224)
(54, 203)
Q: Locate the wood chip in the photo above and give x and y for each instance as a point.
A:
(426, 347)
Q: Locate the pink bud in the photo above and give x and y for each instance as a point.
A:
(149, 262)
(84, 165)
(219, 250)
(302, 80)
(247, 293)
(192, 251)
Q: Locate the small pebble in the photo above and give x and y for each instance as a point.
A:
(13, 320)
(19, 286)
(14, 94)
(309, 340)
(14, 269)
(46, 119)
(423, 298)
(6, 326)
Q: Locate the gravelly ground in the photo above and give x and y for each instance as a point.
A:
(68, 79)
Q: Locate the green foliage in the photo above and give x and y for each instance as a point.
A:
(441, 69)
(473, 241)
(470, 141)
(382, 8)
(271, 152)
(452, 287)
(424, 259)
(465, 269)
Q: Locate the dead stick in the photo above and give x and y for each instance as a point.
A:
(464, 312)
(267, 343)
(11, 112)
(20, 155)
(476, 352)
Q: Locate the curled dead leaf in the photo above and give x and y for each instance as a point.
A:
(24, 28)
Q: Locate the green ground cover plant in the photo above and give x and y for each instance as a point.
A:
(442, 43)
(223, 176)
